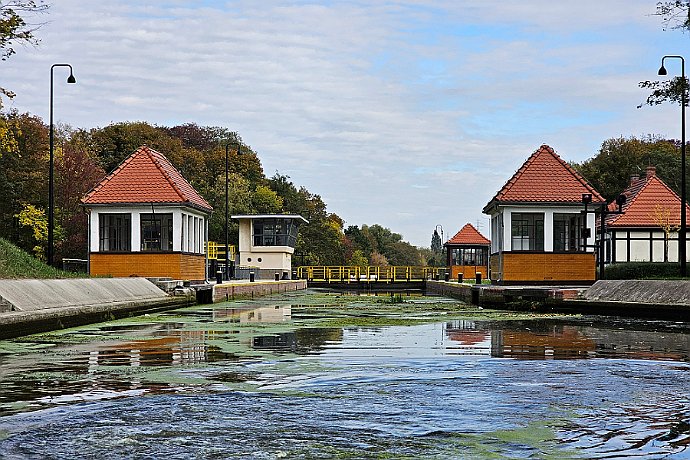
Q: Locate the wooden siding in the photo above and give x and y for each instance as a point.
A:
(468, 271)
(547, 267)
(174, 265)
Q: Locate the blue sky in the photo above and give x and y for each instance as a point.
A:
(407, 113)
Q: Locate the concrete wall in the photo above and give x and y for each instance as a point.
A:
(230, 291)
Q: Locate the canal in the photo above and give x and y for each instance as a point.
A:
(317, 374)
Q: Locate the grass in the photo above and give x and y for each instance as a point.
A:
(16, 263)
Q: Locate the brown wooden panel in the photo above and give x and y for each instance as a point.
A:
(468, 271)
(174, 265)
(548, 267)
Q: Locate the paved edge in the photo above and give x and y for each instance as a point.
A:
(17, 324)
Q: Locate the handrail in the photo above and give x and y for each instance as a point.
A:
(217, 251)
(368, 274)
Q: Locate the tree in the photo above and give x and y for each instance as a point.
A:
(402, 253)
(23, 173)
(436, 244)
(15, 30)
(75, 174)
(675, 15)
(609, 171)
(378, 260)
(662, 217)
(358, 259)
(266, 201)
(34, 219)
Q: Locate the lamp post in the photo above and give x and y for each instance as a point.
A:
(51, 174)
(227, 238)
(682, 236)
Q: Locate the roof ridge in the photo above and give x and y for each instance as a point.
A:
(575, 179)
(171, 181)
(628, 203)
(640, 191)
(112, 174)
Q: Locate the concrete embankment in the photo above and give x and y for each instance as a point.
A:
(637, 298)
(243, 289)
(31, 306)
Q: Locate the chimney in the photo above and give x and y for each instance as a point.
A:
(650, 172)
(634, 178)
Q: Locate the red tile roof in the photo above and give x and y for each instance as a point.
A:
(146, 176)
(470, 236)
(645, 197)
(545, 178)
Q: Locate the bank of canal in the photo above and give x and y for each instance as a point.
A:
(327, 375)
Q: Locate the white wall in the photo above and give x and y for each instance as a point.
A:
(548, 212)
(186, 238)
(278, 258)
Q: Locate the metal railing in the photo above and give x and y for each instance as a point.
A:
(354, 274)
(217, 251)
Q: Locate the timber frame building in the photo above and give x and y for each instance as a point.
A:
(146, 220)
(537, 223)
(637, 234)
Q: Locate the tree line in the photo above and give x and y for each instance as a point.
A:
(84, 156)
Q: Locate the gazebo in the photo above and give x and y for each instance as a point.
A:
(468, 253)
(146, 220)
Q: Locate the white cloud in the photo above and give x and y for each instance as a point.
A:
(407, 113)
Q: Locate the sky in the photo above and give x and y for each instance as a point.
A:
(410, 114)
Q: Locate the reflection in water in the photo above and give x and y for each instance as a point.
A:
(247, 382)
(552, 339)
(272, 314)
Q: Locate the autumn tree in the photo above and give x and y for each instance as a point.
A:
(15, 30)
(76, 172)
(23, 173)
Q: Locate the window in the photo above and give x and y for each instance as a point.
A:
(275, 232)
(527, 231)
(566, 232)
(156, 232)
(469, 256)
(114, 232)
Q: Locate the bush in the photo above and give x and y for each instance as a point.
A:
(642, 270)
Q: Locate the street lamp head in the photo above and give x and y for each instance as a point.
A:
(586, 198)
(71, 78)
(662, 70)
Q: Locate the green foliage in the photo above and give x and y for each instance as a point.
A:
(15, 263)
(610, 170)
(642, 270)
(15, 30)
(675, 15)
(82, 158)
(358, 259)
(266, 201)
(436, 243)
(23, 175)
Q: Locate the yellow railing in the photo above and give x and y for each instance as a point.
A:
(217, 251)
(353, 274)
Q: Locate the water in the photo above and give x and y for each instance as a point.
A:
(315, 375)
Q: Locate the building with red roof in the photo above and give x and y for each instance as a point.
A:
(637, 235)
(537, 224)
(467, 253)
(145, 219)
